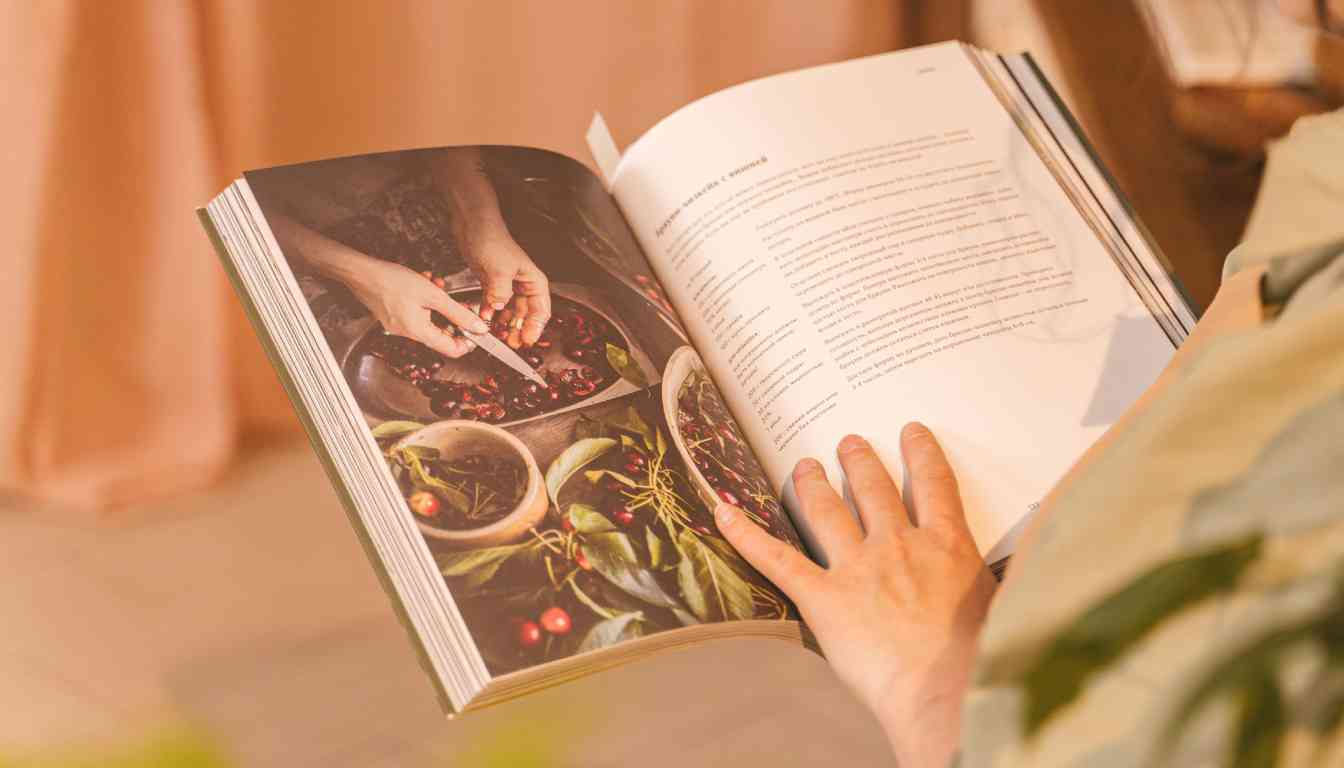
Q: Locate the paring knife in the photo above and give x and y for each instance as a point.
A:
(504, 353)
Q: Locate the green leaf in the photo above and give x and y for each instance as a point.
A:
(627, 368)
(587, 427)
(421, 479)
(589, 520)
(572, 459)
(1240, 669)
(612, 555)
(593, 475)
(655, 546)
(1117, 623)
(422, 452)
(713, 590)
(630, 421)
(1263, 721)
(587, 600)
(661, 442)
(390, 430)
(612, 631)
(730, 556)
(477, 566)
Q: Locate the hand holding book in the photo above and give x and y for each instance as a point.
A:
(900, 604)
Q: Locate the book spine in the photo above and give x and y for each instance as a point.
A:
(320, 448)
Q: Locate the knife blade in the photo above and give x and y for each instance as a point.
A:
(505, 354)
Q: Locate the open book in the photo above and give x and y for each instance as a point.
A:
(917, 235)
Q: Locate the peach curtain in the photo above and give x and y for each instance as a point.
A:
(129, 371)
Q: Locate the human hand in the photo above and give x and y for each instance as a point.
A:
(510, 282)
(402, 299)
(899, 609)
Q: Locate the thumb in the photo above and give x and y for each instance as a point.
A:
(497, 286)
(783, 565)
(456, 313)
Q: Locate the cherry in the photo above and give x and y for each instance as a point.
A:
(728, 497)
(556, 621)
(624, 518)
(529, 634)
(424, 503)
(702, 530)
(581, 560)
(567, 525)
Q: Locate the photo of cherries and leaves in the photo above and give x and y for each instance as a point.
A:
(579, 354)
(471, 489)
(625, 550)
(722, 456)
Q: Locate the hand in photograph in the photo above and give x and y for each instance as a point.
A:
(510, 280)
(399, 298)
(899, 609)
(402, 299)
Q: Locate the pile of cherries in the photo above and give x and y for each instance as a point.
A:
(720, 451)
(503, 394)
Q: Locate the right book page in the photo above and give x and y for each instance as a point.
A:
(863, 244)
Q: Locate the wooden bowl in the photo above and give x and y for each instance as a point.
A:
(459, 436)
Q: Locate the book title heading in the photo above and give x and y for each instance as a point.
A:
(706, 189)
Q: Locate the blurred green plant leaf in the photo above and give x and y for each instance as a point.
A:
(1122, 619)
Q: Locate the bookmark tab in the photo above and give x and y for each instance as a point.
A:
(603, 148)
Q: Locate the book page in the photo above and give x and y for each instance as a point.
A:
(864, 244)
(566, 515)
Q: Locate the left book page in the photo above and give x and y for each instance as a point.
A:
(563, 518)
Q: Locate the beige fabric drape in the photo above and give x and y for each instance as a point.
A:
(129, 372)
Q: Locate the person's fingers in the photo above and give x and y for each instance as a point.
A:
(497, 288)
(440, 340)
(457, 314)
(824, 511)
(533, 284)
(784, 566)
(534, 319)
(935, 499)
(516, 320)
(875, 493)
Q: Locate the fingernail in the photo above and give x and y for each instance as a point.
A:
(725, 514)
(852, 443)
(480, 326)
(807, 465)
(498, 305)
(914, 429)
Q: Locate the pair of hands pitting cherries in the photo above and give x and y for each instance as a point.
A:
(401, 299)
(900, 605)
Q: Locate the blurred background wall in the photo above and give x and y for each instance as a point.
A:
(130, 372)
